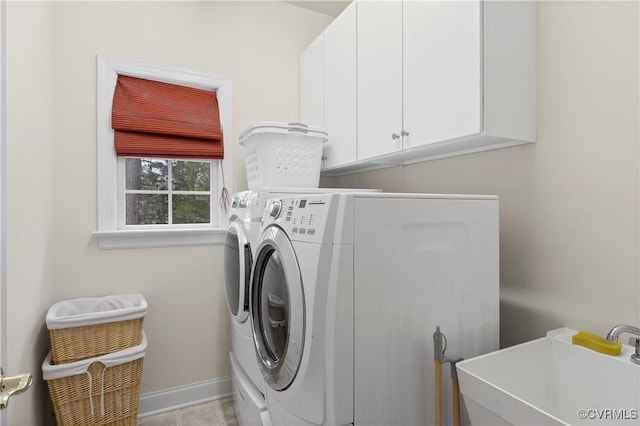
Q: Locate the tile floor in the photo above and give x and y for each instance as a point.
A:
(214, 413)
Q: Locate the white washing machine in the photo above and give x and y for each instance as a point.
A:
(346, 293)
(245, 220)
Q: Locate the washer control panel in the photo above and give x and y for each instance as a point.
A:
(304, 218)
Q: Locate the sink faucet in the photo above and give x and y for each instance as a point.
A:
(622, 328)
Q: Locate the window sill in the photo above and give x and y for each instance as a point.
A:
(151, 238)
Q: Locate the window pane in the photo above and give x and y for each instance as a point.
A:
(147, 209)
(146, 174)
(191, 209)
(191, 175)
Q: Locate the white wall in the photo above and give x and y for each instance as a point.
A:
(29, 237)
(569, 217)
(52, 255)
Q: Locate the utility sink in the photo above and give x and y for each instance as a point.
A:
(550, 381)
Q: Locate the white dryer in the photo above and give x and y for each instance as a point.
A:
(347, 290)
(242, 234)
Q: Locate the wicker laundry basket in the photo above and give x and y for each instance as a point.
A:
(99, 391)
(86, 328)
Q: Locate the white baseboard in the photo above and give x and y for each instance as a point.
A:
(183, 396)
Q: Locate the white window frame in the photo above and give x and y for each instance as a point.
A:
(109, 235)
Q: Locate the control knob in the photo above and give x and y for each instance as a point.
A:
(276, 208)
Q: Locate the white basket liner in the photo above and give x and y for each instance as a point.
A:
(96, 310)
(59, 371)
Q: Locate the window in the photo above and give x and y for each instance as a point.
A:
(156, 202)
(167, 192)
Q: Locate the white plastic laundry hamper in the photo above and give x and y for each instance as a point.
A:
(283, 154)
(89, 327)
(99, 391)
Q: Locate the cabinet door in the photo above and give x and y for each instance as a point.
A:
(340, 89)
(379, 77)
(312, 83)
(442, 70)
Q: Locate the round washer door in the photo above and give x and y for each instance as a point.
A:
(237, 271)
(277, 308)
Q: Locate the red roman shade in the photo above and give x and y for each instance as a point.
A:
(153, 119)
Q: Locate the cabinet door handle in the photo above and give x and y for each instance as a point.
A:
(395, 136)
(404, 133)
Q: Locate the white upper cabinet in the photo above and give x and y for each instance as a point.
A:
(379, 29)
(441, 70)
(509, 75)
(418, 73)
(328, 87)
(430, 79)
(340, 89)
(312, 83)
